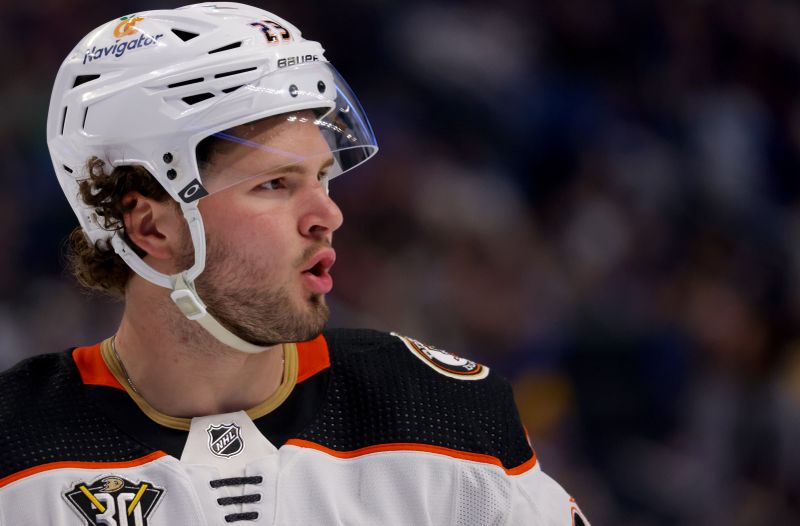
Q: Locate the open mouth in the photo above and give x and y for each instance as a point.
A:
(318, 270)
(317, 274)
(322, 262)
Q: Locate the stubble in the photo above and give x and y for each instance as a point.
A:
(238, 293)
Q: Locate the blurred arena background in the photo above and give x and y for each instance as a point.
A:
(599, 199)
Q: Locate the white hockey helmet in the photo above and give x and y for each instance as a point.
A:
(147, 88)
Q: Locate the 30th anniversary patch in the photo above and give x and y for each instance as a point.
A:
(444, 362)
(114, 500)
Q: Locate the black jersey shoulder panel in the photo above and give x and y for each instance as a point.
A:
(46, 417)
(380, 393)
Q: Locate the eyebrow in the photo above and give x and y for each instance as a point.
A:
(293, 168)
(298, 168)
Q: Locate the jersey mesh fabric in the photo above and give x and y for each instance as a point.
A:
(379, 393)
(45, 417)
(483, 497)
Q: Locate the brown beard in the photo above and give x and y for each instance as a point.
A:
(263, 317)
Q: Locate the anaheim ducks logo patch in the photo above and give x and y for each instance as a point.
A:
(113, 500)
(444, 362)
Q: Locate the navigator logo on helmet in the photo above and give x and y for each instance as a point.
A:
(212, 69)
(126, 26)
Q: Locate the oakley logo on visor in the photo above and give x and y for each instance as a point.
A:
(192, 191)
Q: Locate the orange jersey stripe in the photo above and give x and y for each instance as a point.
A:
(438, 450)
(313, 357)
(92, 367)
(81, 465)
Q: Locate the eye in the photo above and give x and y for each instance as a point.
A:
(272, 184)
(323, 176)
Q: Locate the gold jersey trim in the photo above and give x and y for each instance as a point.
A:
(283, 391)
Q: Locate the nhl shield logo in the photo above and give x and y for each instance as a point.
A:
(225, 440)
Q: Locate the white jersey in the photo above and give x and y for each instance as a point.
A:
(365, 429)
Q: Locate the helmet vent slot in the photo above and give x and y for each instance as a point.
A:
(83, 79)
(194, 99)
(225, 48)
(233, 88)
(185, 35)
(63, 119)
(229, 73)
(184, 83)
(67, 168)
(85, 113)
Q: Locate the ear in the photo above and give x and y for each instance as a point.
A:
(156, 227)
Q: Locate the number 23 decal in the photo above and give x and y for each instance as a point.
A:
(273, 31)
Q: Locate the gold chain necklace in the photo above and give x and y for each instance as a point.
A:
(122, 364)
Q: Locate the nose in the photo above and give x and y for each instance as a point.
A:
(322, 216)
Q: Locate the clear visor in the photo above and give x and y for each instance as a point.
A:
(308, 122)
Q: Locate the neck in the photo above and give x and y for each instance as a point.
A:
(179, 368)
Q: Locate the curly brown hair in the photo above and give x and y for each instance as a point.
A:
(97, 266)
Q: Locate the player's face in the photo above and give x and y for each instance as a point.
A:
(269, 236)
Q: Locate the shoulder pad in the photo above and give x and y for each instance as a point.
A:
(48, 418)
(386, 389)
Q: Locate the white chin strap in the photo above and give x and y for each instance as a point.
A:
(182, 285)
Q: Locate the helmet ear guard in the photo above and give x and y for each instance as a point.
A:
(145, 90)
(195, 223)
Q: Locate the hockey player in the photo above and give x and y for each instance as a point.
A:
(195, 146)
